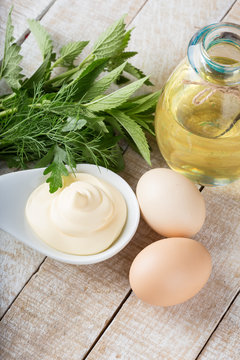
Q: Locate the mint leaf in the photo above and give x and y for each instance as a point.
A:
(39, 74)
(112, 41)
(42, 37)
(122, 80)
(74, 124)
(69, 52)
(86, 77)
(145, 103)
(102, 85)
(146, 122)
(119, 59)
(10, 69)
(137, 73)
(57, 169)
(116, 98)
(135, 131)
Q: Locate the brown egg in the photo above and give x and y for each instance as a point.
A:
(170, 203)
(170, 271)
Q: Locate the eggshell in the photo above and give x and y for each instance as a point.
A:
(170, 203)
(170, 271)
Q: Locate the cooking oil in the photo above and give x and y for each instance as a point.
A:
(197, 124)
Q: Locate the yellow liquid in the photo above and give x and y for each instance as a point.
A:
(200, 141)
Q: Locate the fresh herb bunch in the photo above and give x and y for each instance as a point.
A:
(65, 119)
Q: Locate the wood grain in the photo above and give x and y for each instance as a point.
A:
(162, 41)
(17, 262)
(77, 18)
(63, 308)
(225, 344)
(22, 10)
(141, 331)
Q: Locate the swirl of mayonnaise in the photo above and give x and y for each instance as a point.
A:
(84, 217)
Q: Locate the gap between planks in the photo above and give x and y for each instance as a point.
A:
(228, 11)
(123, 302)
(217, 325)
(130, 291)
(20, 41)
(35, 272)
(108, 323)
(25, 34)
(23, 37)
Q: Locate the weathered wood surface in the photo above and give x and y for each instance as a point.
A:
(22, 10)
(225, 343)
(83, 22)
(17, 262)
(141, 331)
(63, 308)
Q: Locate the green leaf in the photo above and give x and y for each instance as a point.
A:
(69, 52)
(137, 73)
(46, 159)
(122, 80)
(57, 169)
(98, 124)
(42, 37)
(100, 86)
(119, 59)
(116, 98)
(145, 103)
(86, 77)
(145, 123)
(135, 131)
(39, 74)
(10, 69)
(74, 124)
(112, 41)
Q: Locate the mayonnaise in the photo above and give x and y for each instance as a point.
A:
(84, 217)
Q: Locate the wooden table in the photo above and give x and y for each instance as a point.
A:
(51, 310)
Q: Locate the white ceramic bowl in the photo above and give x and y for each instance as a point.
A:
(15, 189)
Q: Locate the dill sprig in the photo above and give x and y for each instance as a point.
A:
(65, 119)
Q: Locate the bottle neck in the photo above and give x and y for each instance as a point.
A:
(214, 53)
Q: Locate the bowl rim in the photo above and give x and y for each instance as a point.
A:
(129, 229)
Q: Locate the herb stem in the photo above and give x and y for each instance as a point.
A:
(8, 112)
(68, 73)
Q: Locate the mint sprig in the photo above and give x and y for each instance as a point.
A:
(75, 116)
(10, 69)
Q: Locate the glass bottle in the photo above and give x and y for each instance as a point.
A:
(197, 119)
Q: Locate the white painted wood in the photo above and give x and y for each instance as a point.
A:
(81, 20)
(22, 10)
(224, 343)
(163, 30)
(63, 308)
(17, 262)
(141, 331)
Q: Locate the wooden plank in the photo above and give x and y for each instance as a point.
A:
(225, 344)
(22, 10)
(13, 255)
(162, 41)
(17, 262)
(28, 329)
(85, 20)
(141, 331)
